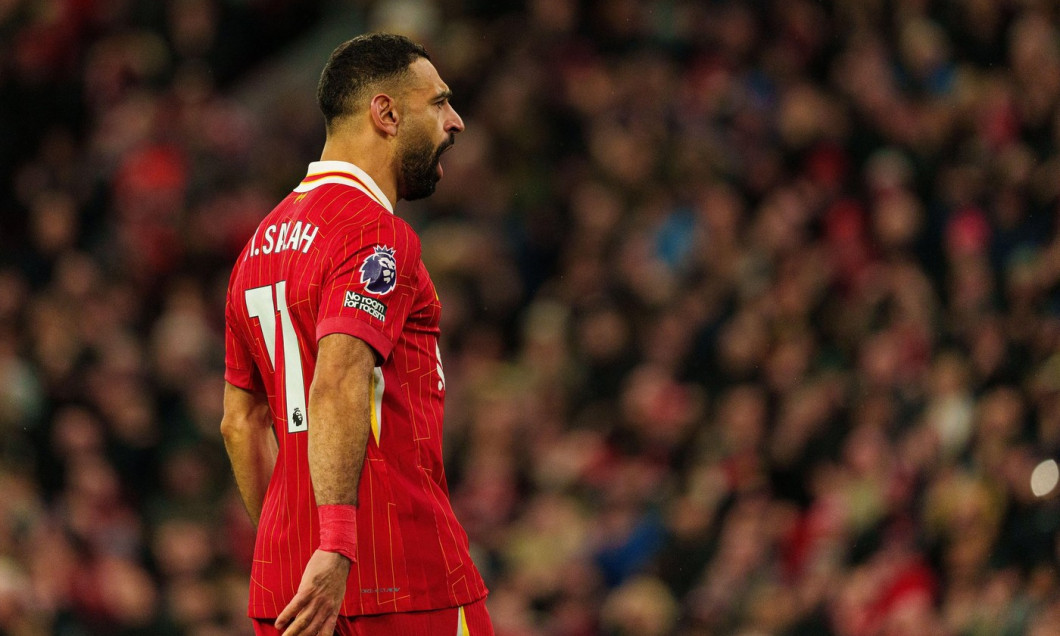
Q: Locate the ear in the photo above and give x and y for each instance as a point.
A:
(384, 113)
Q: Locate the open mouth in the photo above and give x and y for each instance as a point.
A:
(438, 158)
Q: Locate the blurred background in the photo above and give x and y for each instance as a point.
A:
(751, 308)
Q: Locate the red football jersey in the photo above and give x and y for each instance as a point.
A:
(333, 258)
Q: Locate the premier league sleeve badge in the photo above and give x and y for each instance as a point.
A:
(379, 271)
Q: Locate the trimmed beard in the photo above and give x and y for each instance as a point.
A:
(419, 167)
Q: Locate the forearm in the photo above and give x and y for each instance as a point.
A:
(338, 437)
(252, 452)
(250, 443)
(339, 419)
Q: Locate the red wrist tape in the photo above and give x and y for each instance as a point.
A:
(338, 529)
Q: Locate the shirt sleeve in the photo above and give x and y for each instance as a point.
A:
(239, 363)
(371, 287)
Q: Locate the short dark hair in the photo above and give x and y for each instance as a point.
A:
(359, 64)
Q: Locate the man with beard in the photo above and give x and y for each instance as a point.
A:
(334, 383)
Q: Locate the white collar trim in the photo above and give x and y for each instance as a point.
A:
(353, 176)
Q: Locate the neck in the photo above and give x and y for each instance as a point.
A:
(369, 154)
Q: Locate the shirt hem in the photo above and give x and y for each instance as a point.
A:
(427, 607)
(241, 379)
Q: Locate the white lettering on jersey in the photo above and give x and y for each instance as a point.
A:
(307, 237)
(281, 238)
(292, 240)
(269, 231)
(278, 240)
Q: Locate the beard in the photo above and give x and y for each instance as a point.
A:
(419, 166)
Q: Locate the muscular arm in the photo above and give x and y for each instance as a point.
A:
(339, 425)
(339, 417)
(251, 445)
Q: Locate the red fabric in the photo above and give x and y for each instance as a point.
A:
(429, 623)
(338, 530)
(412, 553)
(266, 627)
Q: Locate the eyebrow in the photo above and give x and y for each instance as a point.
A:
(444, 95)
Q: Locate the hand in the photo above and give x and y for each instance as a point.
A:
(314, 610)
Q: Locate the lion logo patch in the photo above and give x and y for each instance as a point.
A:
(379, 271)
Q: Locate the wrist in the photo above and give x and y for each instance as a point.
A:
(338, 529)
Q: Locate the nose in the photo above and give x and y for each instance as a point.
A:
(454, 123)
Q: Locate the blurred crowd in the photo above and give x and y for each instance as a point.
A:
(751, 309)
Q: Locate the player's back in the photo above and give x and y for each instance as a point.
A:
(280, 273)
(274, 300)
(332, 258)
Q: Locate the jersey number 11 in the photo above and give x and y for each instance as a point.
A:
(260, 305)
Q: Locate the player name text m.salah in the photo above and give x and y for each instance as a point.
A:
(284, 237)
